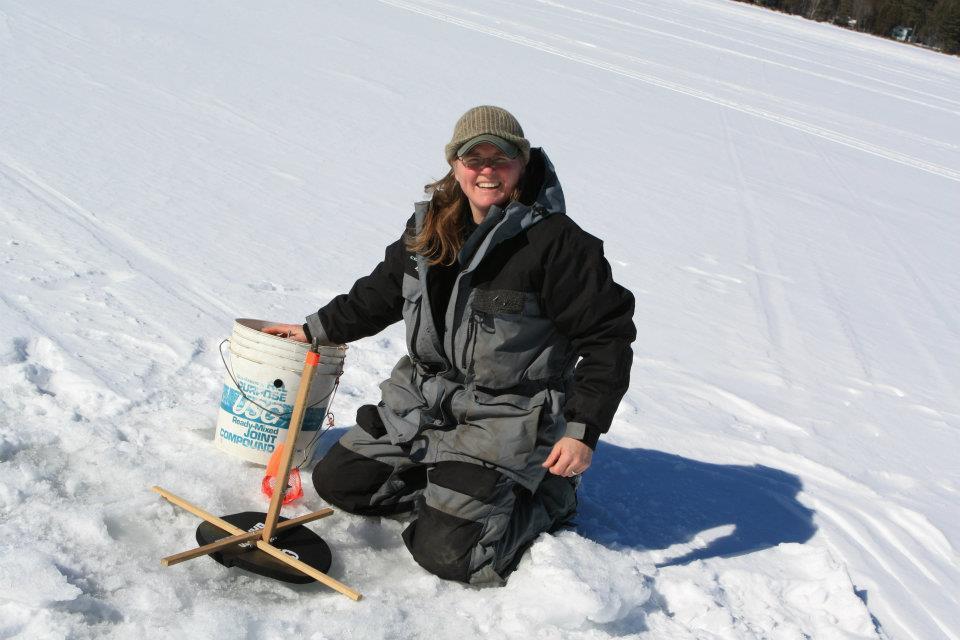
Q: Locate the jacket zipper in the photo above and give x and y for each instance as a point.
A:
(471, 333)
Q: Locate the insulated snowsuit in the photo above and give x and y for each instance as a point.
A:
(467, 417)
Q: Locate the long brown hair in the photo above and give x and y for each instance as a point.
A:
(441, 237)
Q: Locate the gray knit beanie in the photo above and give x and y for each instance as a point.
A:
(488, 124)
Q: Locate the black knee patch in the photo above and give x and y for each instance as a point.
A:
(440, 542)
(348, 480)
(466, 478)
(368, 419)
(559, 498)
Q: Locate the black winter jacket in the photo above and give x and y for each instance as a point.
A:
(536, 343)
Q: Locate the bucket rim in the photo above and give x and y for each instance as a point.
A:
(254, 325)
(241, 343)
(337, 366)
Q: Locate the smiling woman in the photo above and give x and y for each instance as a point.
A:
(518, 345)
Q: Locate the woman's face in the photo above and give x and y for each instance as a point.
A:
(487, 185)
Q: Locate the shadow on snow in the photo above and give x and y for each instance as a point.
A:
(648, 499)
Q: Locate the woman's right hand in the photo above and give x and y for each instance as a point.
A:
(290, 331)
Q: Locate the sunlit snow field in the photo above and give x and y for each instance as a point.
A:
(781, 196)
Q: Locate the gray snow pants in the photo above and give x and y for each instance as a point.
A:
(472, 522)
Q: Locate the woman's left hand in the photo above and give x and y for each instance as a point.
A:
(291, 331)
(569, 457)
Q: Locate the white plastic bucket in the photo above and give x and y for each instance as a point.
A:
(259, 390)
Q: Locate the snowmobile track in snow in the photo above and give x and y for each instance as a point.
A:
(783, 120)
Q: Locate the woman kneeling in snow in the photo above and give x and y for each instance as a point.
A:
(519, 352)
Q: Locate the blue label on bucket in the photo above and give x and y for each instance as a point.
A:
(266, 423)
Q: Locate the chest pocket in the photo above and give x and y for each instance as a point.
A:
(505, 335)
(500, 301)
(420, 339)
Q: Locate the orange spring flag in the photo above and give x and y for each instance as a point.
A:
(294, 484)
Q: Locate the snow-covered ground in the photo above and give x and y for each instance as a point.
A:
(781, 196)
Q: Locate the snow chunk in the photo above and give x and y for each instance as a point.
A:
(32, 579)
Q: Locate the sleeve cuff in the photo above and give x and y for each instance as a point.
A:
(315, 331)
(583, 432)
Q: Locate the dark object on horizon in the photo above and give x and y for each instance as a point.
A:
(930, 23)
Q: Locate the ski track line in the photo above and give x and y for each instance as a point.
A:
(748, 221)
(836, 306)
(831, 294)
(121, 338)
(214, 108)
(706, 274)
(744, 91)
(767, 61)
(53, 198)
(939, 312)
(925, 291)
(6, 33)
(40, 325)
(737, 406)
(218, 107)
(923, 531)
(894, 541)
(898, 94)
(51, 333)
(791, 105)
(805, 127)
(748, 453)
(853, 535)
(201, 300)
(920, 285)
(23, 15)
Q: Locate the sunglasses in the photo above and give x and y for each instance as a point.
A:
(476, 162)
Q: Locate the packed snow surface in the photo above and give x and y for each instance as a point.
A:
(781, 196)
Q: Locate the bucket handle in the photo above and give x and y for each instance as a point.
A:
(257, 404)
(323, 429)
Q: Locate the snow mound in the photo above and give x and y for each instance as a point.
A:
(799, 592)
(569, 582)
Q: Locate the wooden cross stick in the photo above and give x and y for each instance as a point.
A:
(267, 548)
(207, 549)
(197, 511)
